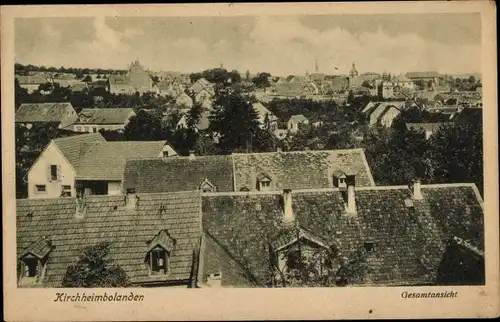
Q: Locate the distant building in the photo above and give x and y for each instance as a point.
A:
(202, 124)
(137, 79)
(383, 113)
(94, 119)
(62, 114)
(32, 82)
(427, 128)
(295, 121)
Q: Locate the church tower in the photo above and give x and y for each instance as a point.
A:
(353, 71)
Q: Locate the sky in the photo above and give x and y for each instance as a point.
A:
(281, 45)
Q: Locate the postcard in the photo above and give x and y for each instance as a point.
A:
(250, 161)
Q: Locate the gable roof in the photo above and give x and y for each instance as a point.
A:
(178, 173)
(39, 248)
(300, 169)
(71, 146)
(107, 161)
(45, 112)
(298, 118)
(107, 219)
(32, 79)
(262, 110)
(408, 241)
(105, 115)
(402, 79)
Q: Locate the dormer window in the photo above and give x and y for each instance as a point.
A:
(158, 261)
(207, 186)
(30, 267)
(158, 253)
(32, 261)
(369, 246)
(339, 180)
(263, 182)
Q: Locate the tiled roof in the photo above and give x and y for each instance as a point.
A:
(71, 146)
(409, 242)
(217, 259)
(469, 115)
(298, 118)
(300, 169)
(45, 112)
(119, 80)
(104, 115)
(261, 109)
(32, 79)
(178, 174)
(108, 219)
(107, 161)
(427, 126)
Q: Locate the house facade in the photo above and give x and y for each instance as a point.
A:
(92, 120)
(87, 164)
(295, 121)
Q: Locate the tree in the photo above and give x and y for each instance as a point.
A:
(194, 115)
(235, 119)
(261, 80)
(457, 154)
(144, 127)
(87, 79)
(94, 269)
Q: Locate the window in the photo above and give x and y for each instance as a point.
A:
(342, 182)
(85, 129)
(94, 129)
(78, 128)
(53, 172)
(158, 261)
(40, 188)
(369, 246)
(66, 191)
(30, 267)
(264, 185)
(165, 154)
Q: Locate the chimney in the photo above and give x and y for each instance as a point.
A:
(81, 206)
(131, 199)
(417, 192)
(351, 194)
(191, 155)
(288, 215)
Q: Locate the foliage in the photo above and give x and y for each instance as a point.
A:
(94, 269)
(87, 79)
(217, 76)
(144, 127)
(235, 119)
(261, 80)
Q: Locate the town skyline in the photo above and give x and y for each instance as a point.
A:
(280, 45)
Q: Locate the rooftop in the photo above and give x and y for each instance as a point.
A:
(45, 112)
(108, 219)
(409, 241)
(178, 174)
(104, 115)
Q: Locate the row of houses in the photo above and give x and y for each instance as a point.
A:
(239, 220)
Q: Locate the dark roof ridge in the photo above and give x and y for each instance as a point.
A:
(176, 157)
(396, 187)
(67, 138)
(303, 151)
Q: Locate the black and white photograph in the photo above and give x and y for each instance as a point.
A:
(325, 150)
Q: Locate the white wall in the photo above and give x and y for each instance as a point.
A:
(114, 187)
(169, 149)
(39, 174)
